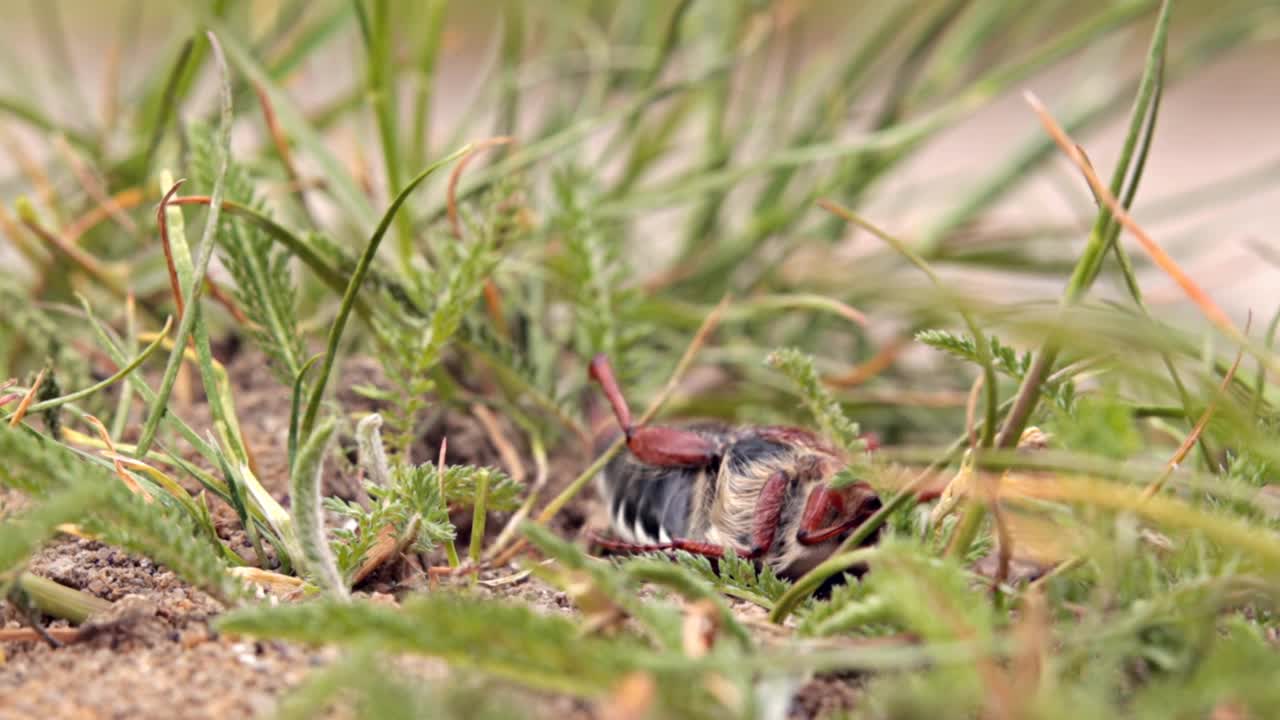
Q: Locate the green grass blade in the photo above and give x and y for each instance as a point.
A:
(207, 242)
(116, 377)
(168, 99)
(1100, 237)
(433, 32)
(295, 409)
(308, 514)
(337, 177)
(379, 41)
(353, 287)
(26, 113)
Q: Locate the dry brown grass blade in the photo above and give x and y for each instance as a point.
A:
(27, 399)
(493, 306)
(1152, 248)
(281, 143)
(92, 185)
(506, 450)
(384, 548)
(220, 295)
(124, 200)
(66, 636)
(123, 474)
(73, 252)
(1189, 442)
(283, 586)
(446, 571)
(444, 449)
(216, 291)
(451, 195)
(163, 223)
(878, 363)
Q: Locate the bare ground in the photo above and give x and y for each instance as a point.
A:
(156, 656)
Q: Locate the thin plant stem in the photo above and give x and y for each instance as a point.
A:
(980, 341)
(207, 241)
(1100, 237)
(353, 287)
(116, 377)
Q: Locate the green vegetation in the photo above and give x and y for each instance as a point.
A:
(670, 183)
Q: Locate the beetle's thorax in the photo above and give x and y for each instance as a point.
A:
(718, 503)
(747, 466)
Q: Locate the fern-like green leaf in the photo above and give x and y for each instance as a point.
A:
(411, 503)
(161, 530)
(798, 367)
(413, 345)
(736, 576)
(23, 535)
(516, 643)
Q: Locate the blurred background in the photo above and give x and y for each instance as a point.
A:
(1211, 191)
(639, 161)
(696, 136)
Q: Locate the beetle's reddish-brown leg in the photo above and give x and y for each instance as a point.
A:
(691, 546)
(768, 514)
(661, 446)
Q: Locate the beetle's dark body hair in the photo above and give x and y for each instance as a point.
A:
(716, 503)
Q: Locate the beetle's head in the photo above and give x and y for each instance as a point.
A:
(831, 513)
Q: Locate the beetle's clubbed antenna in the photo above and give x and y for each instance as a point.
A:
(602, 373)
(658, 446)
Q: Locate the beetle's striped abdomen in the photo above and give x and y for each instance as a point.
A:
(646, 504)
(649, 504)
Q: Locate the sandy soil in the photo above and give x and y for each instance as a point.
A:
(155, 655)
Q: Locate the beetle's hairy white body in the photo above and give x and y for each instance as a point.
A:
(718, 504)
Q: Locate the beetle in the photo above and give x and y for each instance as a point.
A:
(705, 487)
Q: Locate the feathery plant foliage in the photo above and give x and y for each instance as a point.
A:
(656, 157)
(1005, 359)
(25, 329)
(604, 307)
(414, 343)
(412, 503)
(263, 280)
(798, 368)
(732, 575)
(86, 493)
(545, 652)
